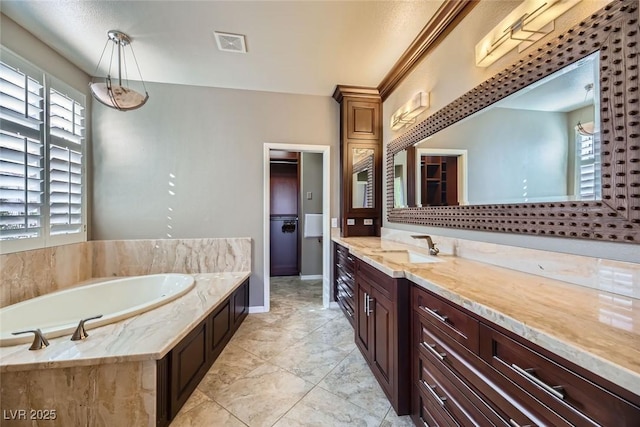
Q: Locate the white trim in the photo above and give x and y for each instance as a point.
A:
(257, 309)
(311, 277)
(463, 185)
(326, 205)
(333, 304)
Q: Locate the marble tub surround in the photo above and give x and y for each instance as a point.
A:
(122, 394)
(597, 330)
(28, 274)
(622, 278)
(147, 336)
(190, 256)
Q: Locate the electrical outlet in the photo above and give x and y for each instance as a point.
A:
(368, 222)
(309, 195)
(334, 222)
(351, 221)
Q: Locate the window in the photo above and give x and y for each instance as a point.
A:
(42, 139)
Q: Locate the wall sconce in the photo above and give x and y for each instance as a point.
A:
(407, 114)
(529, 22)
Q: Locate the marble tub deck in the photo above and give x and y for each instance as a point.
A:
(147, 336)
(297, 365)
(597, 330)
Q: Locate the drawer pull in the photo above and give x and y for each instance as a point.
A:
(424, 422)
(350, 258)
(515, 424)
(432, 350)
(555, 391)
(338, 265)
(435, 314)
(432, 391)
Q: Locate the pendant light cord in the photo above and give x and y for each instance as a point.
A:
(101, 56)
(138, 67)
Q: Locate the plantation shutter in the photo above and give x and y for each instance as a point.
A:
(66, 138)
(589, 174)
(21, 153)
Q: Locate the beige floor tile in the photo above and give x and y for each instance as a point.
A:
(267, 342)
(337, 332)
(393, 420)
(208, 414)
(196, 398)
(233, 364)
(262, 396)
(310, 361)
(320, 408)
(353, 381)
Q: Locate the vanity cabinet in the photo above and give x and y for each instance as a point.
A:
(344, 281)
(468, 371)
(382, 326)
(182, 369)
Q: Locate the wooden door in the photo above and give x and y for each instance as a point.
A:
(284, 189)
(363, 325)
(382, 335)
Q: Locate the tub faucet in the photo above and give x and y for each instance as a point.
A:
(39, 340)
(80, 333)
(432, 246)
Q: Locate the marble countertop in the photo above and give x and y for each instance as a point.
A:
(596, 330)
(147, 336)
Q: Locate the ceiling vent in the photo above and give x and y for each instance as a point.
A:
(230, 42)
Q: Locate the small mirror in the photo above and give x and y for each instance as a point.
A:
(362, 180)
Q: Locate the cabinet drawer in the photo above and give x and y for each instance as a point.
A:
(386, 284)
(443, 388)
(347, 285)
(426, 413)
(575, 398)
(500, 394)
(457, 324)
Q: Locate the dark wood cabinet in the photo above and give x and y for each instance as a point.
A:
(344, 281)
(182, 369)
(360, 160)
(475, 373)
(382, 326)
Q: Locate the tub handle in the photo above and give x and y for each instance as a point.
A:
(80, 333)
(39, 340)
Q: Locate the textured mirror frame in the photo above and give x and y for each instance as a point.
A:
(614, 31)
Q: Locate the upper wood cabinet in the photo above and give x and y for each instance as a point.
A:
(363, 119)
(360, 160)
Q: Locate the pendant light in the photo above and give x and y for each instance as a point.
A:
(113, 95)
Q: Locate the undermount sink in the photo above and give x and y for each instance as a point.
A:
(404, 256)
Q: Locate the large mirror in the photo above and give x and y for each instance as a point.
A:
(539, 144)
(363, 178)
(575, 174)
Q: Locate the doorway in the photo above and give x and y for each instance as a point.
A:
(323, 239)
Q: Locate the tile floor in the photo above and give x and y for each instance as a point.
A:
(294, 366)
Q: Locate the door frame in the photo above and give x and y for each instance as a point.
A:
(326, 230)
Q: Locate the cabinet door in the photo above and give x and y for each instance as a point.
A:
(382, 324)
(363, 326)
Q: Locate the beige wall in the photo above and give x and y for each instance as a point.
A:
(448, 72)
(189, 164)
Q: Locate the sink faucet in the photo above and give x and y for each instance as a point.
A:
(432, 246)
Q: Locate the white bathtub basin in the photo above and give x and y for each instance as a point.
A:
(58, 313)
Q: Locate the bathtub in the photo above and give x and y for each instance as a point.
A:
(58, 313)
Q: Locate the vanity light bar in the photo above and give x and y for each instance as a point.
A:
(526, 24)
(407, 114)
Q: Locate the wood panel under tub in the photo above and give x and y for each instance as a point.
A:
(180, 371)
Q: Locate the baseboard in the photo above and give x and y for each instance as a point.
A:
(257, 309)
(311, 277)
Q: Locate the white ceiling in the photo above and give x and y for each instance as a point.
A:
(304, 47)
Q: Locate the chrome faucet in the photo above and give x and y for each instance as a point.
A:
(432, 246)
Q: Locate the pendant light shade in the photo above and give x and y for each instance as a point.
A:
(113, 95)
